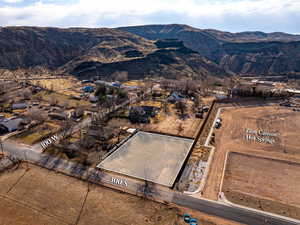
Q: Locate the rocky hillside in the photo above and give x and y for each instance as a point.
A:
(254, 53)
(52, 47)
(101, 52)
(260, 58)
(170, 59)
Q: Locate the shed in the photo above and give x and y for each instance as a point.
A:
(174, 97)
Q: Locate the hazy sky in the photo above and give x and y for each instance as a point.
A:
(229, 15)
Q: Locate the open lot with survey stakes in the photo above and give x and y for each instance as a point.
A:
(35, 196)
(266, 133)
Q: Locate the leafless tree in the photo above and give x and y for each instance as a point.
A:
(147, 189)
(190, 87)
(2, 88)
(180, 128)
(36, 115)
(52, 87)
(197, 102)
(66, 128)
(181, 106)
(3, 101)
(165, 107)
(65, 105)
(169, 85)
(53, 101)
(120, 76)
(26, 94)
(87, 142)
(1, 146)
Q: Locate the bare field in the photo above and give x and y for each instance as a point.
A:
(61, 99)
(58, 199)
(272, 119)
(36, 196)
(263, 183)
(231, 136)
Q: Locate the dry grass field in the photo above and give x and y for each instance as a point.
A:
(167, 122)
(170, 123)
(31, 195)
(40, 196)
(62, 99)
(36, 134)
(63, 86)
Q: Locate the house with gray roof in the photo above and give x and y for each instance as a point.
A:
(10, 125)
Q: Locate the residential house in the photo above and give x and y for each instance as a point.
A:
(10, 125)
(175, 97)
(16, 106)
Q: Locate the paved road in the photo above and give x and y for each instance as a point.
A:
(237, 214)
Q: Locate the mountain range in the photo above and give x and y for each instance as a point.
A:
(172, 51)
(248, 53)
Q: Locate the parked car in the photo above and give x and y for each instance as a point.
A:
(193, 221)
(199, 115)
(186, 218)
(2, 117)
(205, 108)
(218, 125)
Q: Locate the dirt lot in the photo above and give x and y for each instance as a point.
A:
(171, 123)
(232, 137)
(283, 124)
(35, 196)
(272, 119)
(258, 179)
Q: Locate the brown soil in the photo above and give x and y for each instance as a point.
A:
(35, 196)
(232, 137)
(268, 184)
